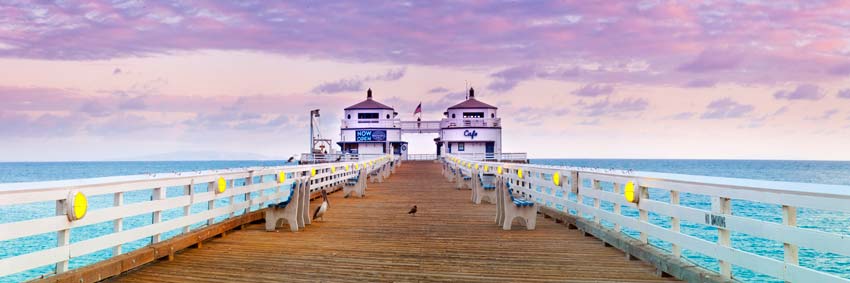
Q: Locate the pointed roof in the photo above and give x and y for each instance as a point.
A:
(472, 103)
(368, 103)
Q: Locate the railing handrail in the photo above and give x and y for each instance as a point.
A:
(323, 175)
(536, 182)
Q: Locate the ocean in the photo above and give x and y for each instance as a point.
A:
(825, 172)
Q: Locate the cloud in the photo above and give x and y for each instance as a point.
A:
(682, 116)
(357, 84)
(700, 83)
(737, 42)
(617, 108)
(802, 92)
(438, 90)
(726, 108)
(508, 79)
(840, 69)
(825, 116)
(845, 93)
(712, 60)
(594, 90)
(343, 85)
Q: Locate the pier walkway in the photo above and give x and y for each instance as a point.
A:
(374, 239)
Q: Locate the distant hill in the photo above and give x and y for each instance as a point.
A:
(197, 155)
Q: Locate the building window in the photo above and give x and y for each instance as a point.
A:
(453, 116)
(460, 146)
(349, 116)
(367, 116)
(388, 116)
(473, 114)
(492, 115)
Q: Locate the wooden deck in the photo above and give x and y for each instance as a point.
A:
(374, 239)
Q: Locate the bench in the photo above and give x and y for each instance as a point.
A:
(484, 188)
(463, 179)
(510, 207)
(293, 210)
(356, 186)
(377, 175)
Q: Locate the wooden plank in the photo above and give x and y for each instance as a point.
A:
(374, 239)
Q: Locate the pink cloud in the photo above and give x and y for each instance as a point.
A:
(725, 37)
(802, 92)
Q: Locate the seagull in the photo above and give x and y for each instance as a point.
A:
(320, 211)
(412, 211)
(291, 158)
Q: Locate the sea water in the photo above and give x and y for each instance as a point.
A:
(825, 172)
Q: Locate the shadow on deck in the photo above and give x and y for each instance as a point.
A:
(374, 239)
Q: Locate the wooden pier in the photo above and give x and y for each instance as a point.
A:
(374, 239)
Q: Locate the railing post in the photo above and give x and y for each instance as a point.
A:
(63, 237)
(187, 210)
(675, 226)
(596, 202)
(158, 194)
(118, 223)
(789, 218)
(211, 204)
(617, 207)
(721, 205)
(231, 185)
(644, 214)
(248, 182)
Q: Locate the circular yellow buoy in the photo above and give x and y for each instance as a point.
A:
(499, 170)
(77, 205)
(486, 168)
(312, 172)
(221, 185)
(281, 177)
(629, 192)
(556, 178)
(347, 168)
(519, 173)
(477, 166)
(333, 170)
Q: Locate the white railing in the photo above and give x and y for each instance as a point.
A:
(471, 122)
(247, 189)
(425, 126)
(420, 126)
(312, 158)
(371, 123)
(512, 157)
(598, 195)
(422, 157)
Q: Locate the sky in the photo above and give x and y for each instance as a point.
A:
(118, 80)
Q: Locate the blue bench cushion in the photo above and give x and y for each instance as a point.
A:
(286, 202)
(489, 187)
(519, 202)
(466, 178)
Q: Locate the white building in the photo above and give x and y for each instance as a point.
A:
(370, 127)
(471, 126)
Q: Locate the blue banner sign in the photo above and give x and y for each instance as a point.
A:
(471, 134)
(371, 135)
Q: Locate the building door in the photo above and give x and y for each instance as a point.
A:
(490, 148)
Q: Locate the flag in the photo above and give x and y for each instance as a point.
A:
(418, 109)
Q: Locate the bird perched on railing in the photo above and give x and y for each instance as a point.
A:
(291, 158)
(320, 211)
(412, 211)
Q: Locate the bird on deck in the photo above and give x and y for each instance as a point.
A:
(413, 211)
(291, 158)
(320, 211)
